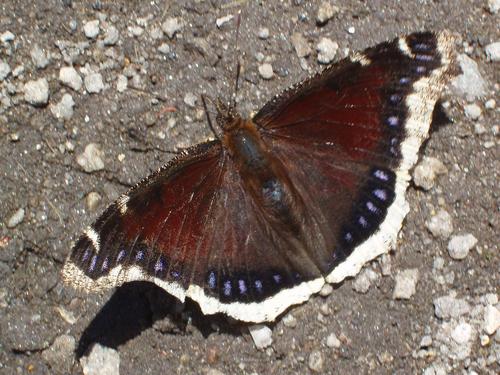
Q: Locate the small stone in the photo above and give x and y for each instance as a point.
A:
(472, 111)
(63, 109)
(491, 319)
(92, 200)
(4, 70)
(440, 225)
(136, 30)
(91, 29)
(332, 341)
(316, 361)
(70, 77)
(261, 335)
(406, 283)
(164, 48)
(93, 83)
(171, 26)
(364, 280)
(290, 321)
(67, 315)
(450, 307)
(435, 369)
(484, 340)
(490, 104)
(16, 218)
(479, 129)
(425, 342)
(493, 51)
(59, 356)
(385, 264)
(213, 371)
(18, 71)
(36, 92)
(6, 37)
(460, 245)
(326, 11)
(266, 71)
(219, 22)
(263, 33)
(302, 49)
(462, 333)
(351, 30)
(424, 174)
(326, 290)
(190, 99)
(39, 57)
(327, 49)
(101, 360)
(111, 36)
(121, 83)
(470, 84)
(91, 159)
(493, 6)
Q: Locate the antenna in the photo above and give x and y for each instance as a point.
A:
(210, 125)
(238, 65)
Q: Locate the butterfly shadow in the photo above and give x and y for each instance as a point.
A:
(138, 306)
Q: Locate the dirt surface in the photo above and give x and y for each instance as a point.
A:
(137, 132)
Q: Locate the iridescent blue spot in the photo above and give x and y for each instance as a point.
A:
(93, 263)
(211, 280)
(393, 149)
(227, 288)
(242, 286)
(362, 221)
(421, 47)
(105, 264)
(381, 175)
(348, 236)
(86, 255)
(421, 69)
(139, 256)
(404, 80)
(393, 121)
(395, 98)
(120, 256)
(371, 207)
(258, 285)
(380, 194)
(277, 278)
(175, 274)
(425, 58)
(159, 266)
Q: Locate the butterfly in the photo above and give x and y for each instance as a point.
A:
(302, 194)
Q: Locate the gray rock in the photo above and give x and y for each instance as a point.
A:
(4, 70)
(16, 218)
(364, 280)
(121, 83)
(470, 84)
(425, 173)
(492, 51)
(472, 111)
(316, 361)
(460, 245)
(93, 83)
(326, 11)
(462, 333)
(266, 71)
(70, 77)
(435, 369)
(136, 30)
(101, 360)
(91, 159)
(111, 36)
(164, 48)
(490, 104)
(261, 335)
(406, 283)
(6, 37)
(219, 22)
(425, 342)
(171, 26)
(440, 225)
(327, 49)
(190, 99)
(36, 92)
(326, 290)
(449, 306)
(493, 6)
(59, 356)
(39, 57)
(263, 33)
(290, 321)
(332, 341)
(300, 44)
(91, 29)
(18, 71)
(63, 109)
(491, 321)
(479, 129)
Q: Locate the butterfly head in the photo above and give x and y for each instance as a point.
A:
(227, 117)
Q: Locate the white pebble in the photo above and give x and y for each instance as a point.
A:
(36, 92)
(425, 173)
(121, 83)
(364, 280)
(63, 109)
(171, 26)
(91, 29)
(450, 307)
(316, 361)
(263, 33)
(490, 104)
(4, 70)
(493, 51)
(111, 36)
(136, 30)
(164, 48)
(261, 335)
(190, 99)
(327, 49)
(326, 290)
(470, 84)
(93, 83)
(440, 225)
(16, 218)
(39, 57)
(326, 11)
(7, 36)
(70, 77)
(460, 245)
(91, 159)
(290, 321)
(101, 360)
(266, 71)
(351, 30)
(493, 6)
(219, 22)
(300, 44)
(472, 111)
(462, 333)
(406, 283)
(332, 341)
(491, 319)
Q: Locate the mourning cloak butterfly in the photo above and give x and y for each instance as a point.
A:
(304, 193)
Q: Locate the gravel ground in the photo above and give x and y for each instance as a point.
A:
(72, 139)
